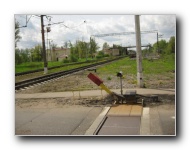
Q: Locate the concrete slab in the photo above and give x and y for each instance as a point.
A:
(122, 120)
(145, 122)
(67, 120)
(92, 93)
(167, 119)
(155, 124)
(97, 122)
(115, 125)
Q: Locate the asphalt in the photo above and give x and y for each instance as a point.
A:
(68, 120)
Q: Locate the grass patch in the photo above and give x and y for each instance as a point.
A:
(159, 66)
(129, 66)
(126, 65)
(29, 66)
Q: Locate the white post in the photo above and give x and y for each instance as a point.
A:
(139, 53)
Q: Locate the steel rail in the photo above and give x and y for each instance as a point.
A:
(29, 82)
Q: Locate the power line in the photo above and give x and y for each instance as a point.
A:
(123, 33)
(74, 26)
(27, 20)
(49, 24)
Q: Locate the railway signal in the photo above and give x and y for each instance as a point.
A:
(98, 82)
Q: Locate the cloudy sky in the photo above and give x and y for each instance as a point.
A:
(81, 27)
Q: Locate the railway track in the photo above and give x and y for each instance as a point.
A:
(30, 82)
(49, 68)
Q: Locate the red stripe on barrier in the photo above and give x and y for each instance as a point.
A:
(95, 79)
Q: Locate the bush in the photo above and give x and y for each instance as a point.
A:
(73, 58)
(99, 56)
(106, 55)
(66, 61)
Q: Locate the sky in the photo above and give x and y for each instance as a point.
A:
(65, 28)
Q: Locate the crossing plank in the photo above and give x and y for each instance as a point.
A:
(125, 110)
(136, 110)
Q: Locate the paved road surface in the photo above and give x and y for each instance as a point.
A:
(68, 120)
(39, 114)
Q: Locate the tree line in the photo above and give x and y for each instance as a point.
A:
(162, 47)
(78, 50)
(82, 49)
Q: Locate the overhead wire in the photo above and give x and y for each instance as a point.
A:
(27, 20)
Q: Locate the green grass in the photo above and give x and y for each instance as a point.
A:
(129, 66)
(29, 66)
(163, 65)
(126, 65)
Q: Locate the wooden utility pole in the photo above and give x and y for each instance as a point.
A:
(139, 53)
(43, 45)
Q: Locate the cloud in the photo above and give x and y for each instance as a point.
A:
(81, 27)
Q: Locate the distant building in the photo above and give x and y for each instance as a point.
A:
(58, 54)
(111, 51)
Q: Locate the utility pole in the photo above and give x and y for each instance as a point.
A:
(50, 48)
(139, 53)
(43, 45)
(157, 44)
(158, 36)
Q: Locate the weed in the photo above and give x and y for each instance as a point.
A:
(144, 85)
(109, 78)
(132, 81)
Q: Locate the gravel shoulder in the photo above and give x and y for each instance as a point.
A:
(79, 82)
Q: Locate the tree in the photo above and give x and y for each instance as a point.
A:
(161, 47)
(54, 45)
(93, 46)
(105, 45)
(17, 31)
(74, 55)
(36, 53)
(18, 59)
(21, 56)
(83, 48)
(25, 55)
(65, 44)
(72, 49)
(164, 47)
(171, 45)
